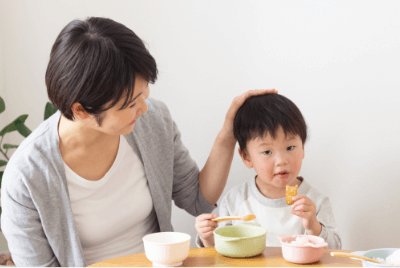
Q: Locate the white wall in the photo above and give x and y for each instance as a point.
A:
(337, 60)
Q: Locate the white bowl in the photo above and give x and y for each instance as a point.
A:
(166, 248)
(376, 253)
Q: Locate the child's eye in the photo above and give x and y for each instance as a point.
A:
(267, 152)
(290, 148)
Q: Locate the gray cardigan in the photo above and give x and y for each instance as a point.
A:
(37, 219)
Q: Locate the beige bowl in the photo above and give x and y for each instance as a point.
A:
(166, 248)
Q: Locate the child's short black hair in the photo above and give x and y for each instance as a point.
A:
(96, 61)
(263, 114)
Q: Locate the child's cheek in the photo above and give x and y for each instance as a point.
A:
(296, 164)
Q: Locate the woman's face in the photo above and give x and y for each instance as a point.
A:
(122, 122)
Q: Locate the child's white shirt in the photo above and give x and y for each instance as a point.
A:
(277, 220)
(274, 214)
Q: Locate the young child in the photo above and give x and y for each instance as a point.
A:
(271, 133)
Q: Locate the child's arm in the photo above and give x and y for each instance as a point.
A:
(305, 208)
(205, 238)
(320, 223)
(329, 231)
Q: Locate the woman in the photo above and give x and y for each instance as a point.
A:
(101, 173)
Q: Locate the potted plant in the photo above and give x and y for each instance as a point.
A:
(19, 126)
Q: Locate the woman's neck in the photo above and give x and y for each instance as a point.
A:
(77, 134)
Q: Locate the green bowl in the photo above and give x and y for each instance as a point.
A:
(240, 241)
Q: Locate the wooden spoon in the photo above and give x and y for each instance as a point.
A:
(341, 254)
(249, 217)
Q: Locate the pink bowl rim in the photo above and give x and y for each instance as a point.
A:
(321, 240)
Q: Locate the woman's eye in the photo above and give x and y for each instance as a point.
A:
(132, 105)
(267, 152)
(290, 148)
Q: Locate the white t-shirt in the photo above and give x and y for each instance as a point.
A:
(274, 214)
(114, 213)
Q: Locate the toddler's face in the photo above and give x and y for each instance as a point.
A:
(277, 162)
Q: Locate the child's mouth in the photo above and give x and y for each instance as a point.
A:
(283, 174)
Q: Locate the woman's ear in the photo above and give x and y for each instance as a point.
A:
(245, 158)
(79, 112)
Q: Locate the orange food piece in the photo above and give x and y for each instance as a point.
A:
(290, 192)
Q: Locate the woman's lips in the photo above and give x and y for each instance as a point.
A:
(133, 122)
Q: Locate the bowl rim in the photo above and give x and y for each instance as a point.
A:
(187, 239)
(362, 253)
(302, 246)
(242, 225)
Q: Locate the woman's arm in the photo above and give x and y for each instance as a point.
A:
(21, 224)
(213, 176)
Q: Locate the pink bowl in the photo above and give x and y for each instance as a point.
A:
(301, 253)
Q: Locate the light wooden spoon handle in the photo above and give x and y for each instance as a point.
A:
(342, 254)
(226, 218)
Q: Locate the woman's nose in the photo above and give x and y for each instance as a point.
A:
(143, 108)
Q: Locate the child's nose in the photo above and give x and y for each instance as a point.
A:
(281, 160)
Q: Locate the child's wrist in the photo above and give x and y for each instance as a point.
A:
(316, 229)
(209, 242)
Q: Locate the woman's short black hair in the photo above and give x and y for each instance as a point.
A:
(96, 61)
(263, 114)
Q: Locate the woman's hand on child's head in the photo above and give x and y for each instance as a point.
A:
(205, 227)
(305, 208)
(236, 104)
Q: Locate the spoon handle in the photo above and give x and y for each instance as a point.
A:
(226, 218)
(342, 254)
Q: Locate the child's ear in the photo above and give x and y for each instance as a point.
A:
(245, 158)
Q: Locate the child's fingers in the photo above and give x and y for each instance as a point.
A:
(299, 197)
(204, 223)
(207, 235)
(302, 207)
(203, 217)
(303, 214)
(207, 229)
(297, 213)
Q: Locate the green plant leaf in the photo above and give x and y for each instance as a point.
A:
(3, 163)
(49, 110)
(2, 105)
(9, 146)
(21, 128)
(1, 177)
(11, 127)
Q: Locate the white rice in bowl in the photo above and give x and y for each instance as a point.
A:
(392, 259)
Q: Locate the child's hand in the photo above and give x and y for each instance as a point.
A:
(205, 227)
(305, 208)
